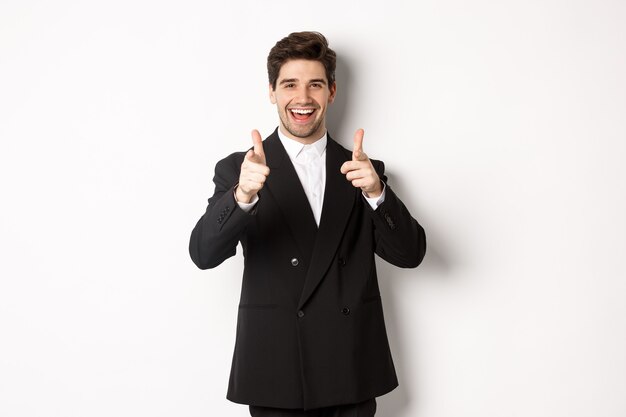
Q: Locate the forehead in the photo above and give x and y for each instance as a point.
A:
(302, 70)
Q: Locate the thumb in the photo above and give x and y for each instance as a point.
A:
(258, 144)
(357, 150)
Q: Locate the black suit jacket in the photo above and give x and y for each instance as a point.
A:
(310, 329)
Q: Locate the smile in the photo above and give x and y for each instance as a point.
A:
(302, 114)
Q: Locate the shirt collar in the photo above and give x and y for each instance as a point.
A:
(293, 147)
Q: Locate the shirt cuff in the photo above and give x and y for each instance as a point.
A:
(374, 202)
(246, 206)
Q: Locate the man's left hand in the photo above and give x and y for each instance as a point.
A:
(360, 171)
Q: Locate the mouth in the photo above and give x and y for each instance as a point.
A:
(302, 114)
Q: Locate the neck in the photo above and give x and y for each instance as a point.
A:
(305, 141)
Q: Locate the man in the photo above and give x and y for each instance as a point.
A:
(310, 215)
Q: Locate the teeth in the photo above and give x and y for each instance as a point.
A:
(302, 111)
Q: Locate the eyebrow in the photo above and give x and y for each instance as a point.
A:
(293, 80)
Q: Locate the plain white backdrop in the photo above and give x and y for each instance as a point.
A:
(503, 128)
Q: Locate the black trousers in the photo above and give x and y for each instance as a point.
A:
(364, 409)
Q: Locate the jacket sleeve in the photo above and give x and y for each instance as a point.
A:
(214, 238)
(400, 239)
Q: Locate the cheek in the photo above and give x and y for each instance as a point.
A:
(281, 101)
(324, 99)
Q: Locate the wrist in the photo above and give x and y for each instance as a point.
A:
(376, 192)
(243, 197)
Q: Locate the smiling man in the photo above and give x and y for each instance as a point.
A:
(310, 215)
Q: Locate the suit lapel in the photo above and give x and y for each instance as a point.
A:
(339, 199)
(284, 185)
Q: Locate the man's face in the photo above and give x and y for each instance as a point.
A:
(302, 96)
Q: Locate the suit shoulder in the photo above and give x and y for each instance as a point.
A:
(227, 170)
(232, 161)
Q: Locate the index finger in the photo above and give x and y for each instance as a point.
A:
(357, 150)
(258, 143)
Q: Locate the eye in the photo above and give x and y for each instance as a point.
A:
(316, 85)
(290, 85)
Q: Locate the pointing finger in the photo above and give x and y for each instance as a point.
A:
(357, 150)
(258, 143)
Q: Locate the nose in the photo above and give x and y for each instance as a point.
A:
(304, 96)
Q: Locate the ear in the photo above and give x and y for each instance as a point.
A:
(333, 92)
(272, 94)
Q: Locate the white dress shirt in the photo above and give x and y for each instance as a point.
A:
(309, 162)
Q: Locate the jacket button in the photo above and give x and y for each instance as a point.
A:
(300, 313)
(345, 311)
(342, 261)
(294, 262)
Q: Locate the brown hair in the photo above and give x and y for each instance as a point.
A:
(301, 45)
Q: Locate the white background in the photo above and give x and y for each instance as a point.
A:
(502, 124)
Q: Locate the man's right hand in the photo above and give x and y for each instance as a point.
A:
(254, 171)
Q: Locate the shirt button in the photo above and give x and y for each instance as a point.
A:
(294, 262)
(345, 311)
(300, 313)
